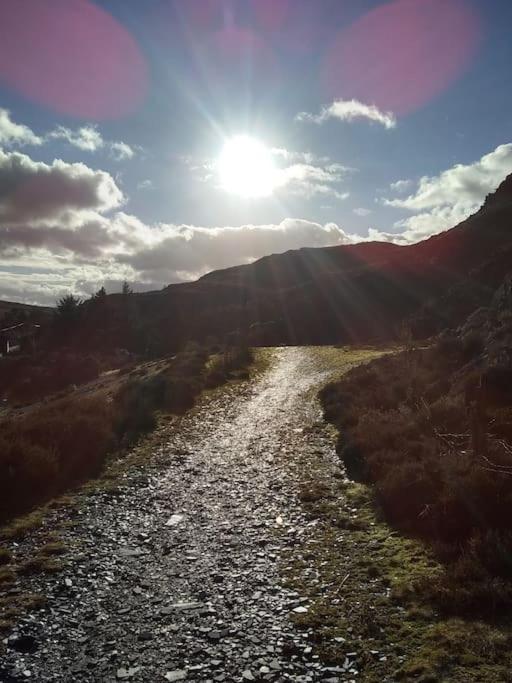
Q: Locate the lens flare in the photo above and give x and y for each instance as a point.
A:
(403, 54)
(71, 56)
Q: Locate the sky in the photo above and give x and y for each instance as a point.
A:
(155, 141)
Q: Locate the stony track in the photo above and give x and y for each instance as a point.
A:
(176, 576)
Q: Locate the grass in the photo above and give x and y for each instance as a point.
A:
(58, 446)
(46, 557)
(15, 605)
(361, 578)
(413, 562)
(405, 429)
(22, 526)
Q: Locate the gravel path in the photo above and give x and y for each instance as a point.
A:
(177, 576)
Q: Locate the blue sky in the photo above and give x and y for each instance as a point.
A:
(113, 122)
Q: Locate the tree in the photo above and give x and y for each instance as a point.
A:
(127, 290)
(68, 310)
(100, 295)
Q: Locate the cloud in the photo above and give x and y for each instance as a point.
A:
(120, 151)
(350, 110)
(87, 138)
(447, 199)
(193, 250)
(16, 134)
(62, 230)
(362, 212)
(401, 185)
(296, 173)
(33, 192)
(300, 157)
(308, 181)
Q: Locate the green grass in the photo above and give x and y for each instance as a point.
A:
(366, 595)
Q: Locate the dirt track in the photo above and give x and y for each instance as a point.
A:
(177, 574)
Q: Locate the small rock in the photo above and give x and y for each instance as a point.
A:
(177, 675)
(174, 520)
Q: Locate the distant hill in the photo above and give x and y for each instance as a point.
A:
(350, 292)
(343, 294)
(8, 309)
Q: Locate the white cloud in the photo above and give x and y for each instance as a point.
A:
(298, 157)
(361, 211)
(59, 232)
(120, 247)
(89, 139)
(350, 110)
(447, 199)
(309, 181)
(401, 185)
(86, 138)
(121, 151)
(296, 173)
(16, 134)
(197, 250)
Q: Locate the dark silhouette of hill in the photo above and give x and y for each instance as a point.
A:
(11, 308)
(352, 292)
(343, 294)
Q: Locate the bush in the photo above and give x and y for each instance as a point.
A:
(50, 449)
(66, 442)
(404, 428)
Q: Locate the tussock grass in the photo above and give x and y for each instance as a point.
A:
(62, 444)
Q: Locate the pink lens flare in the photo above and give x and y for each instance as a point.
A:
(205, 14)
(72, 57)
(240, 51)
(403, 54)
(271, 15)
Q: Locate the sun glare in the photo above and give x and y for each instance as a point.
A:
(246, 168)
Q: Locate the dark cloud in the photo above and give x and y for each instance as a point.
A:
(33, 192)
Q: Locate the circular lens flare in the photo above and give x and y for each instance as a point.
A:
(246, 168)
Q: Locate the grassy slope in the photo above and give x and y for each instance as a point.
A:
(421, 619)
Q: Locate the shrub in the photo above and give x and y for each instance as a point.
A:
(405, 429)
(50, 449)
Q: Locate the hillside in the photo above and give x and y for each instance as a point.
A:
(344, 294)
(348, 293)
(11, 308)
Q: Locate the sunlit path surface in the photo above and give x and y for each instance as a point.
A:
(177, 574)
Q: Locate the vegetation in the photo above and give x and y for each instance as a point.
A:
(56, 446)
(431, 430)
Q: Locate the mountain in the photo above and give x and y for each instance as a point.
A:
(347, 293)
(344, 294)
(15, 312)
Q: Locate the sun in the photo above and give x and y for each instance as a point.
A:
(246, 168)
